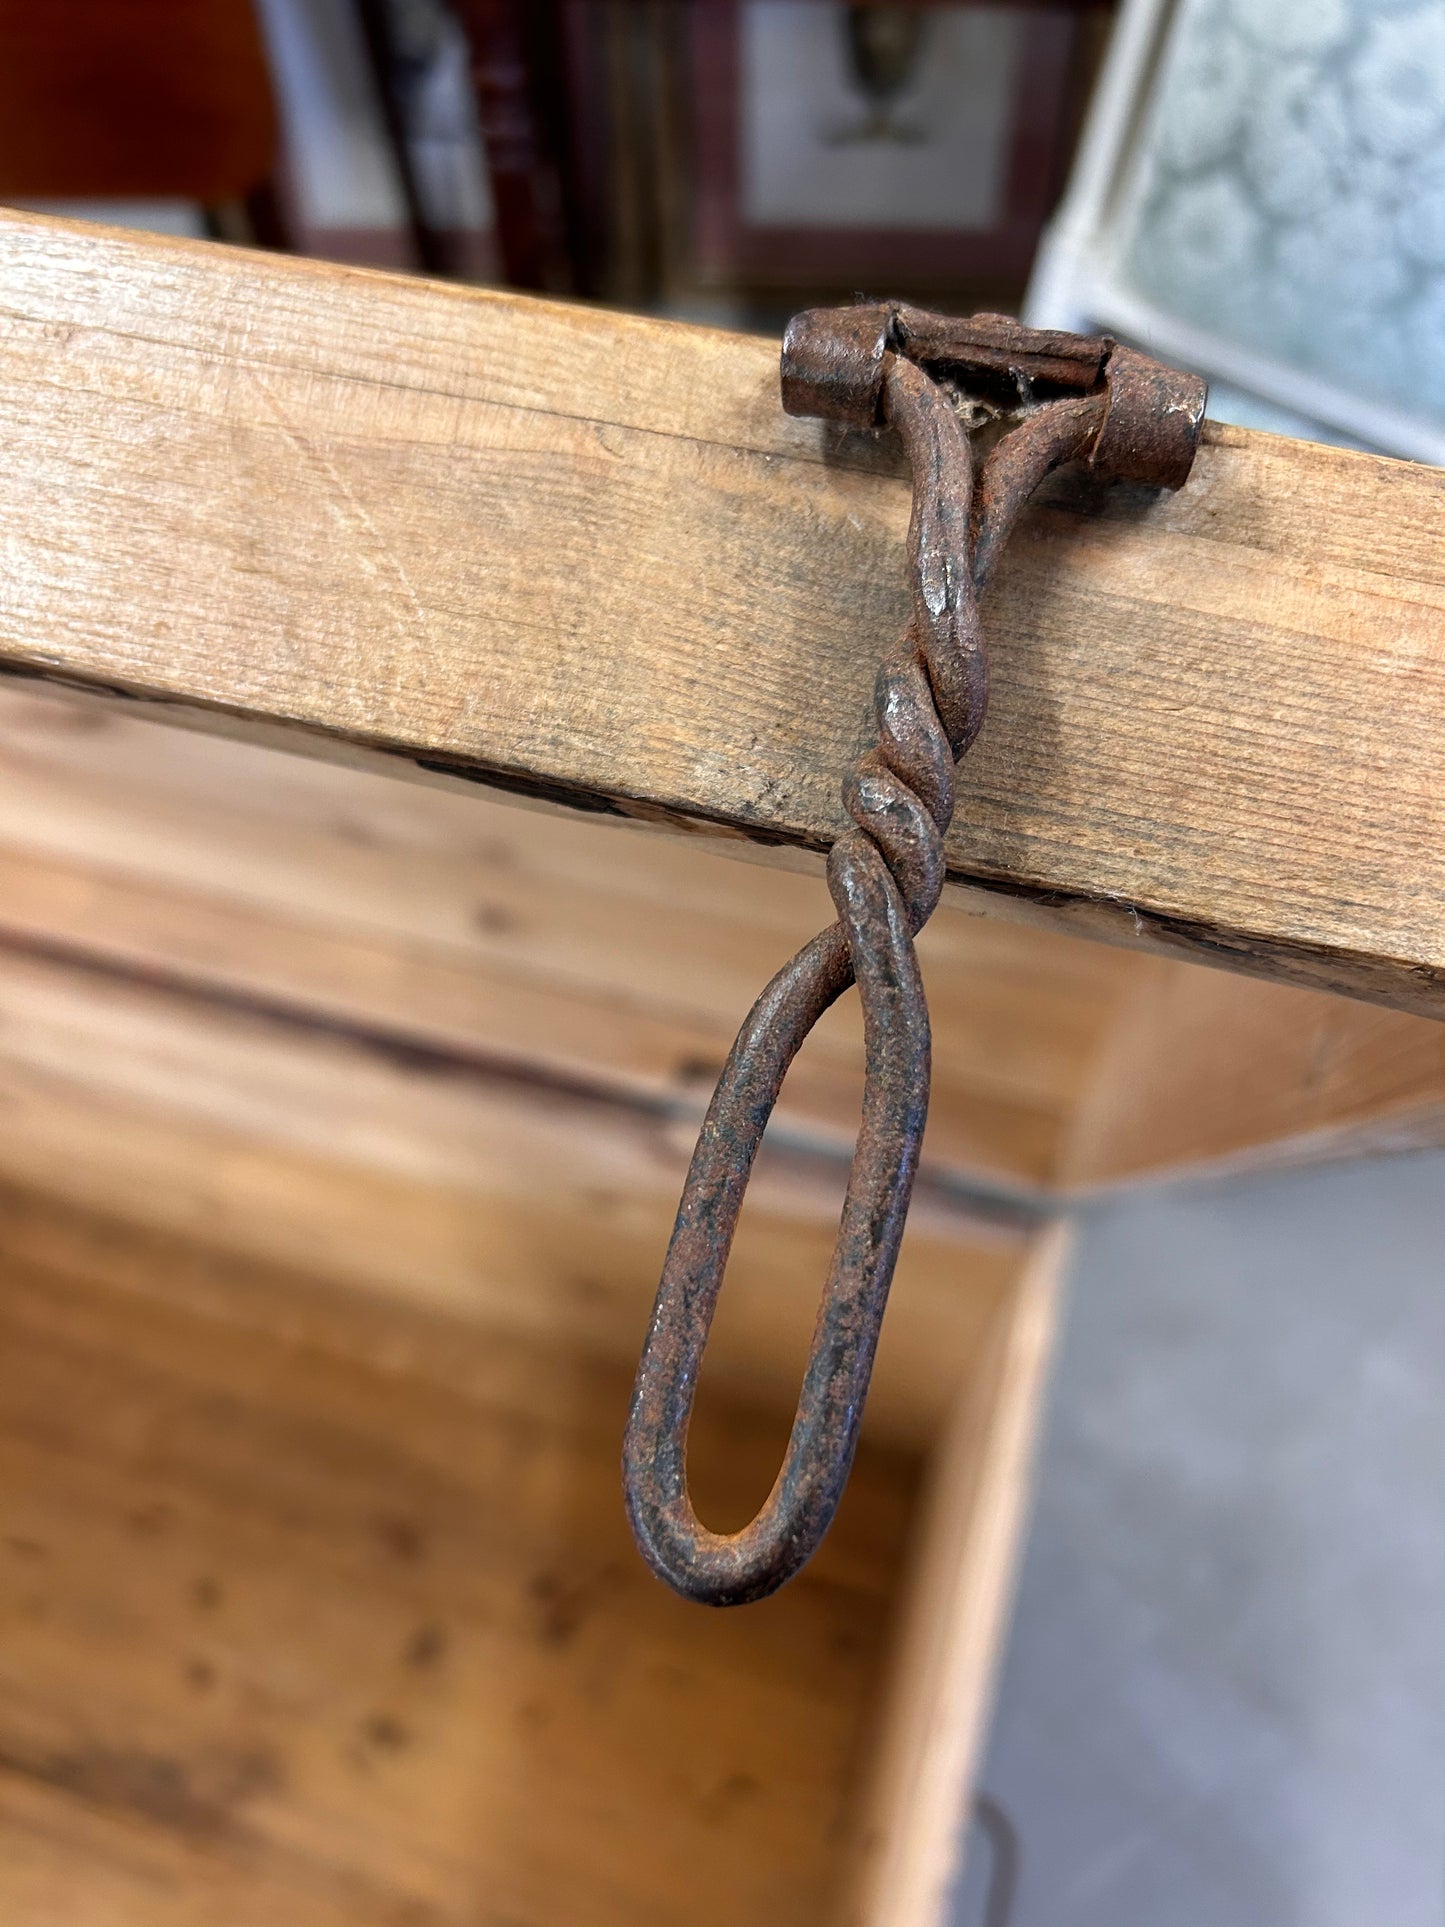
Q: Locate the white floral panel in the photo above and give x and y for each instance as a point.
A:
(1290, 192)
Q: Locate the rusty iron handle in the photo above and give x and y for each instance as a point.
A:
(945, 386)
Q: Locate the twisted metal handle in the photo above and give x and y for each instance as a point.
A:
(1073, 397)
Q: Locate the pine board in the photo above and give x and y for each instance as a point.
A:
(584, 555)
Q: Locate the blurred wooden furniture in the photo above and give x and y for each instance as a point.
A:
(622, 152)
(154, 99)
(342, 1118)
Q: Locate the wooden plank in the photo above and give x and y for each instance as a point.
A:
(585, 555)
(566, 947)
(563, 944)
(293, 1637)
(1207, 1073)
(967, 1543)
(447, 1187)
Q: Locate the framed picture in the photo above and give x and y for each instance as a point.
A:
(868, 146)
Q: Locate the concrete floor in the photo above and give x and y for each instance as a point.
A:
(1224, 1697)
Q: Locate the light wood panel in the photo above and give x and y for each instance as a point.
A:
(585, 554)
(317, 1608)
(481, 937)
(1202, 1072)
(504, 936)
(541, 1213)
(294, 1638)
(165, 99)
(911, 1845)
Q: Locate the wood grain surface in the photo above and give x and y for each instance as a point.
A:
(571, 947)
(585, 556)
(1206, 1073)
(486, 1198)
(910, 1848)
(318, 1607)
(465, 943)
(291, 1636)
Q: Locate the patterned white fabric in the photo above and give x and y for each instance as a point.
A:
(1289, 188)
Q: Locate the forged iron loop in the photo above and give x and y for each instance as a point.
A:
(895, 366)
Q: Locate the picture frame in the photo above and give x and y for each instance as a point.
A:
(937, 230)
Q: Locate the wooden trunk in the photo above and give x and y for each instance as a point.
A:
(322, 1613)
(342, 1118)
(341, 1126)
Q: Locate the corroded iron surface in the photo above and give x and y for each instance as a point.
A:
(950, 389)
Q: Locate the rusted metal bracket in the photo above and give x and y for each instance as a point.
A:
(984, 408)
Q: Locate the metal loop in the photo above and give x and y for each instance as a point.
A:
(885, 875)
(873, 944)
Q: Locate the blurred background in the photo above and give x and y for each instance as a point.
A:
(714, 158)
(1256, 187)
(1225, 1696)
